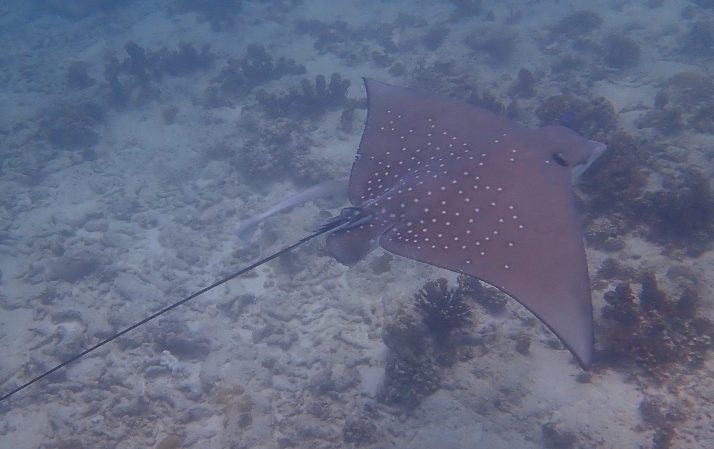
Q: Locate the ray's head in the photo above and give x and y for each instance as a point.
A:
(569, 149)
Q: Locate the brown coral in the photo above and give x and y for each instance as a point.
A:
(652, 330)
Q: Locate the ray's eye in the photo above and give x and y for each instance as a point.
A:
(558, 159)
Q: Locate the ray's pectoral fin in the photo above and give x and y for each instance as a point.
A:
(354, 234)
(349, 246)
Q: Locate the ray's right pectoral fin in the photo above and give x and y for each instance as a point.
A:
(349, 246)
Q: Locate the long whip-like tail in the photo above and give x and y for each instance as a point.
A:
(339, 222)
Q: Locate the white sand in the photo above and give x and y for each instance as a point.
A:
(156, 219)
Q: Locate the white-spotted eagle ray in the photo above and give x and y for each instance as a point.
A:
(456, 186)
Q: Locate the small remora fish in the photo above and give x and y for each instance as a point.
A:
(247, 228)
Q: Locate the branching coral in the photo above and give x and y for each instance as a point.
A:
(654, 331)
(662, 419)
(271, 149)
(310, 100)
(682, 215)
(686, 100)
(130, 80)
(587, 116)
(679, 216)
(615, 191)
(410, 371)
(524, 85)
(443, 309)
(240, 76)
(492, 300)
(328, 36)
(621, 51)
(498, 45)
(418, 347)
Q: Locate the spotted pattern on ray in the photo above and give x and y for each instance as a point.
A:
(459, 187)
(438, 186)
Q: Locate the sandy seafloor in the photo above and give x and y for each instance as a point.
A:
(96, 233)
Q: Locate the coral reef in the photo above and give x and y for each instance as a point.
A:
(576, 24)
(707, 4)
(184, 60)
(130, 80)
(443, 309)
(342, 39)
(435, 36)
(309, 101)
(270, 150)
(422, 340)
(466, 8)
(666, 120)
(498, 45)
(656, 332)
(78, 77)
(78, 9)
(525, 84)
(491, 300)
(242, 75)
(686, 100)
(486, 100)
(606, 233)
(698, 40)
(220, 14)
(621, 51)
(662, 419)
(74, 267)
(588, 116)
(410, 372)
(397, 69)
(72, 126)
(360, 430)
(329, 37)
(616, 181)
(567, 64)
(556, 438)
(682, 214)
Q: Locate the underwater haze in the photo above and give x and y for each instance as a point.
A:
(137, 137)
